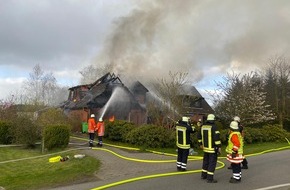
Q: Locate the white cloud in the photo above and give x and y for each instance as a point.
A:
(10, 86)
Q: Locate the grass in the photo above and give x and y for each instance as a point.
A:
(39, 172)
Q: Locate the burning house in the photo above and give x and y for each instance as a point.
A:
(108, 98)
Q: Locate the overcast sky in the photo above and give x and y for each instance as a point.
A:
(206, 37)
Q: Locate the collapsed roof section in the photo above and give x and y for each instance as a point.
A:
(97, 94)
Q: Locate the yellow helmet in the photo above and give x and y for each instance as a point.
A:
(210, 117)
(237, 119)
(234, 125)
(185, 119)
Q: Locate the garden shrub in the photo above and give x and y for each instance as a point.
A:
(56, 136)
(267, 133)
(274, 133)
(254, 135)
(52, 116)
(5, 136)
(25, 131)
(224, 134)
(118, 130)
(75, 119)
(151, 136)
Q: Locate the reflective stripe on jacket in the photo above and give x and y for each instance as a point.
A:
(183, 131)
(236, 143)
(209, 138)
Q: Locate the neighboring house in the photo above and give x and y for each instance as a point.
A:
(109, 98)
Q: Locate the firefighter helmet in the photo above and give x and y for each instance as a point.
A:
(101, 119)
(237, 119)
(211, 117)
(92, 115)
(234, 125)
(185, 119)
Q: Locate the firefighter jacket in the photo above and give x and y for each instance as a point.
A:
(100, 128)
(235, 147)
(183, 130)
(209, 137)
(91, 125)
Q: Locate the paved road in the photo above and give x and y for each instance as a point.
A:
(118, 165)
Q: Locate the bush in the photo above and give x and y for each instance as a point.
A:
(274, 133)
(52, 116)
(118, 130)
(267, 133)
(5, 136)
(151, 136)
(56, 136)
(75, 120)
(25, 131)
(255, 135)
(224, 134)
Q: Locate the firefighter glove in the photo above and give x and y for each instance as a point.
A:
(234, 153)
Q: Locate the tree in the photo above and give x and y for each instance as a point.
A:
(8, 110)
(41, 88)
(167, 105)
(242, 96)
(277, 86)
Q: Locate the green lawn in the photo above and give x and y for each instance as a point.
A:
(39, 172)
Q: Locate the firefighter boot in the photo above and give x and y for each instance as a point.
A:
(233, 180)
(210, 179)
(244, 167)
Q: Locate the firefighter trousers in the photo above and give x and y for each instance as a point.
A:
(237, 171)
(208, 165)
(182, 156)
(91, 138)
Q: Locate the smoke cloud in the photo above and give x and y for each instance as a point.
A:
(202, 37)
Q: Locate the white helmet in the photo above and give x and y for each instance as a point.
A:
(101, 119)
(211, 117)
(92, 115)
(237, 119)
(185, 119)
(234, 125)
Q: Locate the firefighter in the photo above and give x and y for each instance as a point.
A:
(241, 129)
(235, 151)
(91, 129)
(210, 143)
(101, 131)
(183, 143)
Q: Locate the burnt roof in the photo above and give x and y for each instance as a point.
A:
(99, 93)
(190, 91)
